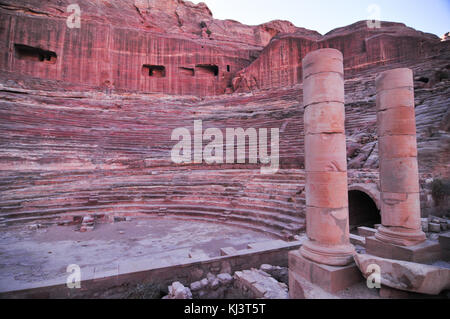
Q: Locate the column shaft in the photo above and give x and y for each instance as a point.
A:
(397, 146)
(327, 222)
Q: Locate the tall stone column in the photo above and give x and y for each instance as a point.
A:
(327, 223)
(399, 174)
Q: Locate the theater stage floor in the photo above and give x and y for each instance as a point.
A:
(33, 256)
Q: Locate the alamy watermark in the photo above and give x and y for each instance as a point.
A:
(374, 279)
(74, 20)
(74, 279)
(213, 152)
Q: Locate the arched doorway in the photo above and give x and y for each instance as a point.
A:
(363, 210)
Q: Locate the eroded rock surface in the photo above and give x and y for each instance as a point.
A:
(407, 276)
(91, 132)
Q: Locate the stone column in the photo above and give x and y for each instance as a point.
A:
(399, 174)
(327, 222)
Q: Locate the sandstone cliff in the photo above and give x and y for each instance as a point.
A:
(279, 65)
(86, 114)
(157, 46)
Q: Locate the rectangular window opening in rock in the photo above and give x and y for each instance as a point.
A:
(157, 71)
(207, 69)
(187, 71)
(29, 53)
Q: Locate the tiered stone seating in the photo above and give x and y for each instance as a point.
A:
(236, 197)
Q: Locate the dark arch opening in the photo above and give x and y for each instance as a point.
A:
(362, 210)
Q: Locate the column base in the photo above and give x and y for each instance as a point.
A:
(329, 278)
(400, 236)
(421, 253)
(328, 255)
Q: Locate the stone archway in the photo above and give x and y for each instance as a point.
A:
(364, 205)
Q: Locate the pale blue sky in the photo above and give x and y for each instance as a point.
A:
(324, 15)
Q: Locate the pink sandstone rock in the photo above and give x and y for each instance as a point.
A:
(407, 276)
(156, 46)
(279, 65)
(68, 125)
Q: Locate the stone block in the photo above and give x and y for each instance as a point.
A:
(323, 87)
(224, 278)
(196, 285)
(405, 275)
(199, 255)
(269, 244)
(326, 117)
(327, 189)
(228, 251)
(329, 278)
(421, 253)
(399, 175)
(400, 120)
(395, 98)
(324, 60)
(327, 225)
(357, 240)
(366, 231)
(399, 209)
(261, 284)
(434, 227)
(397, 146)
(394, 78)
(301, 288)
(326, 152)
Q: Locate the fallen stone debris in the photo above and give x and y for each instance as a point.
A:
(406, 276)
(251, 284)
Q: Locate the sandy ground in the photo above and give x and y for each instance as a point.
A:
(30, 256)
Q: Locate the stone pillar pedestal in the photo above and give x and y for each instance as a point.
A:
(327, 222)
(399, 173)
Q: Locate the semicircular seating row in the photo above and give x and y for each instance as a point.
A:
(270, 203)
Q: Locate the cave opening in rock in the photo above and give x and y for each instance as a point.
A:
(207, 69)
(364, 46)
(228, 68)
(157, 71)
(424, 79)
(362, 210)
(187, 71)
(25, 52)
